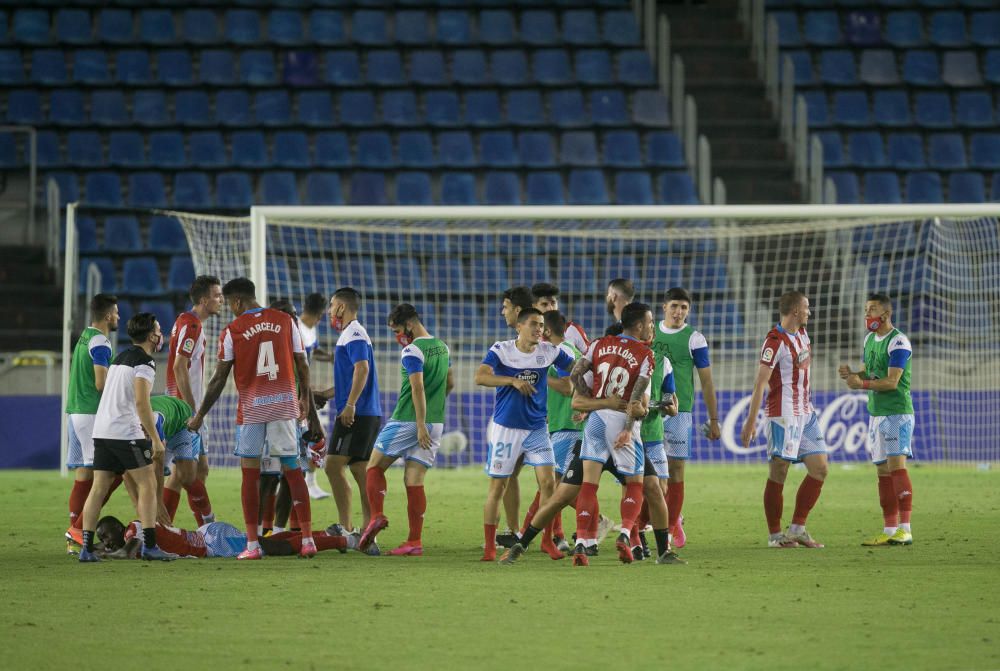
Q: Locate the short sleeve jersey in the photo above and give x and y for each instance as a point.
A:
(431, 357)
(175, 413)
(618, 362)
(893, 350)
(117, 418)
(187, 340)
(353, 346)
(512, 409)
(788, 355)
(92, 349)
(262, 343)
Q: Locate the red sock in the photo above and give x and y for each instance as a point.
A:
(489, 540)
(78, 497)
(324, 542)
(643, 519)
(806, 498)
(904, 494)
(532, 509)
(595, 519)
(633, 537)
(416, 506)
(375, 487)
(250, 497)
(586, 511)
(631, 504)
(267, 519)
(115, 484)
(198, 500)
(887, 499)
(675, 501)
(773, 504)
(557, 529)
(170, 501)
(293, 521)
(300, 499)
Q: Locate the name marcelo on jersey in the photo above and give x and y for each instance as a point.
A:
(260, 328)
(619, 351)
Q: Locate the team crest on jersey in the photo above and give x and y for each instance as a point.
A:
(497, 465)
(767, 355)
(529, 376)
(540, 360)
(188, 345)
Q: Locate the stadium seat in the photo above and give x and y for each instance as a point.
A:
(368, 27)
(323, 188)
(850, 108)
(904, 29)
(399, 108)
(343, 68)
(384, 68)
(985, 151)
(368, 188)
(863, 28)
(817, 112)
(567, 109)
(497, 150)
(84, 149)
(468, 66)
(326, 27)
(633, 188)
(933, 110)
(496, 27)
(663, 149)
(291, 150)
(947, 29)
(284, 27)
(200, 26)
(115, 26)
(331, 150)
(180, 274)
(621, 149)
(579, 271)
(216, 66)
(992, 66)
(86, 235)
(608, 108)
(208, 150)
(233, 191)
(141, 277)
(906, 151)
(232, 108)
(121, 234)
(315, 109)
(90, 66)
(191, 108)
(974, 109)
(961, 68)
(482, 108)
(578, 149)
(9, 156)
(788, 28)
(427, 68)
(649, 108)
(966, 187)
(453, 27)
(132, 67)
(524, 108)
(923, 187)
(509, 67)
(838, 68)
(103, 188)
(677, 188)
(635, 68)
(47, 150)
(149, 108)
(412, 27)
(257, 68)
(192, 190)
(579, 27)
(985, 28)
(892, 108)
(502, 188)
(146, 189)
(878, 68)
(882, 187)
(821, 28)
(279, 278)
(24, 107)
(374, 150)
(833, 149)
(357, 108)
(593, 66)
(846, 184)
(587, 187)
(455, 149)
(946, 151)
(109, 282)
(413, 188)
(72, 27)
(166, 236)
(249, 150)
(30, 26)
(539, 27)
(279, 188)
(921, 68)
(242, 26)
(707, 275)
(866, 149)
(803, 66)
(544, 188)
(69, 188)
(164, 310)
(156, 27)
(620, 29)
(535, 149)
(125, 150)
(107, 108)
(272, 107)
(551, 67)
(48, 66)
(442, 108)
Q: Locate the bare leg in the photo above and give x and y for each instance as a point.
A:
(335, 467)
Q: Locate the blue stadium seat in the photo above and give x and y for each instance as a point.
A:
(882, 187)
(291, 150)
(368, 27)
(850, 108)
(496, 27)
(822, 28)
(677, 188)
(866, 149)
(878, 67)
(132, 67)
(578, 148)
(621, 149)
(368, 188)
(635, 68)
(86, 235)
(200, 26)
(249, 150)
(48, 66)
(846, 184)
(985, 151)
(502, 188)
(232, 108)
(816, 109)
(343, 68)
(803, 66)
(401, 274)
(921, 68)
(509, 67)
(31, 26)
(103, 188)
(453, 27)
(535, 149)
(707, 274)
(551, 67)
(587, 187)
(164, 311)
(863, 28)
(357, 108)
(482, 108)
(47, 150)
(974, 109)
(620, 29)
(242, 27)
(923, 187)
(947, 29)
(904, 29)
(608, 108)
(578, 271)
(663, 270)
(216, 67)
(567, 109)
(539, 27)
(412, 27)
(833, 149)
(468, 66)
(115, 26)
(524, 108)
(399, 108)
(442, 108)
(966, 187)
(166, 236)
(985, 28)
(358, 272)
(156, 27)
(544, 188)
(192, 190)
(66, 107)
(72, 27)
(84, 149)
(906, 151)
(285, 27)
(961, 68)
(107, 108)
(837, 68)
(933, 110)
(233, 190)
(332, 150)
(279, 188)
(315, 109)
(146, 189)
(69, 189)
(323, 188)
(946, 151)
(208, 150)
(272, 107)
(279, 278)
(455, 149)
(191, 108)
(579, 27)
(109, 283)
(9, 156)
(121, 234)
(633, 188)
(125, 150)
(992, 66)
(180, 274)
(649, 108)
(11, 67)
(90, 66)
(374, 150)
(497, 150)
(24, 107)
(257, 68)
(593, 66)
(663, 149)
(427, 68)
(788, 28)
(385, 68)
(489, 277)
(892, 108)
(995, 189)
(413, 188)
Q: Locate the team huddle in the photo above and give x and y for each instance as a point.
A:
(568, 407)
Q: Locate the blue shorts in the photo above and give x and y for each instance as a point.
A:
(199, 445)
(794, 438)
(890, 436)
(677, 432)
(183, 446)
(599, 435)
(657, 456)
(399, 440)
(562, 447)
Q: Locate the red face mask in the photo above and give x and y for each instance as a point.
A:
(337, 323)
(873, 323)
(404, 339)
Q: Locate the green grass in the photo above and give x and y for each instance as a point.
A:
(736, 605)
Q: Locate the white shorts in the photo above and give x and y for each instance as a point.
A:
(794, 437)
(80, 448)
(399, 439)
(599, 435)
(677, 435)
(280, 437)
(562, 448)
(270, 464)
(656, 454)
(890, 436)
(506, 446)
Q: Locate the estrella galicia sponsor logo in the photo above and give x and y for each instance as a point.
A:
(529, 376)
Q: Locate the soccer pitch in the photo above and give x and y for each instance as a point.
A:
(736, 605)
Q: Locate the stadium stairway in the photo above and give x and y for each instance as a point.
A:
(733, 111)
(30, 299)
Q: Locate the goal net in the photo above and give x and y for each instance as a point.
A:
(939, 264)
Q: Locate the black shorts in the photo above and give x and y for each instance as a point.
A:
(355, 441)
(119, 456)
(574, 473)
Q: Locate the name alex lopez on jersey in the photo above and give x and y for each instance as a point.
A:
(260, 328)
(620, 351)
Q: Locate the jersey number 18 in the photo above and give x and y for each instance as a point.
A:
(613, 380)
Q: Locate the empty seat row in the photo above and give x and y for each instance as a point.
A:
(887, 4)
(905, 151)
(141, 276)
(481, 108)
(322, 26)
(235, 189)
(905, 28)
(122, 234)
(178, 67)
(915, 187)
(894, 109)
(881, 67)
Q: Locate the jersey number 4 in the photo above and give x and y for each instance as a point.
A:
(613, 380)
(266, 365)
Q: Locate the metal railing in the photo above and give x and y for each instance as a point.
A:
(53, 215)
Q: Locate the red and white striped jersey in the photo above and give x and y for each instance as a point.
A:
(187, 339)
(788, 355)
(618, 362)
(262, 343)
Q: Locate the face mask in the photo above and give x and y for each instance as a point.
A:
(404, 338)
(873, 323)
(337, 322)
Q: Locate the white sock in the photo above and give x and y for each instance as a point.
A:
(308, 540)
(311, 478)
(626, 530)
(888, 531)
(905, 526)
(796, 529)
(260, 529)
(277, 530)
(253, 545)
